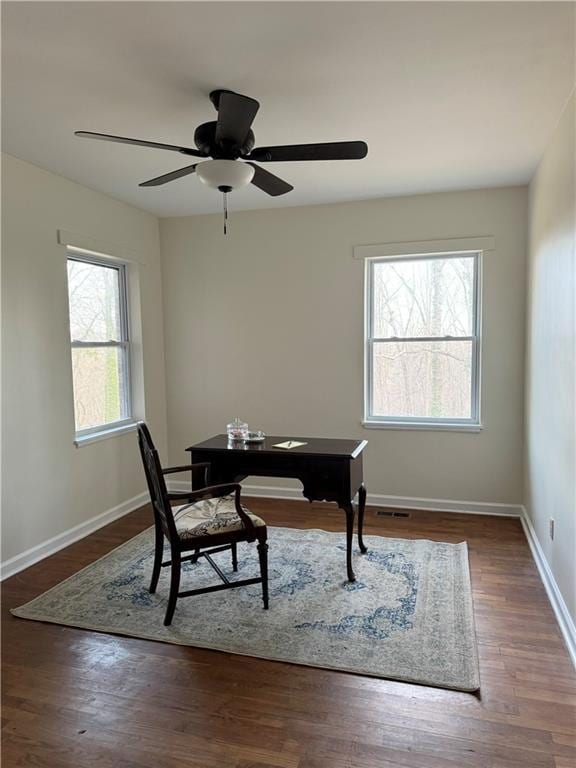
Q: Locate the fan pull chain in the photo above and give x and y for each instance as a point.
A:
(225, 212)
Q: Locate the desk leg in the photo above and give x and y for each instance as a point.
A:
(361, 508)
(349, 509)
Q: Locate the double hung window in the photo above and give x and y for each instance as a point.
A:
(100, 344)
(423, 340)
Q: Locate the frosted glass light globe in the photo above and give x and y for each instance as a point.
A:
(225, 173)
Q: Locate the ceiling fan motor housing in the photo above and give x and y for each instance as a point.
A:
(205, 140)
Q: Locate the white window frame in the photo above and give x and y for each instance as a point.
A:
(472, 424)
(119, 426)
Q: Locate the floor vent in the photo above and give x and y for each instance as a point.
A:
(391, 513)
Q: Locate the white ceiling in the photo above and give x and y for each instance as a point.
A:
(447, 95)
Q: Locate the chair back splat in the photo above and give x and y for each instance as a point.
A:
(156, 484)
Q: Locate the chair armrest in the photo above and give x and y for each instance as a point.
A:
(205, 480)
(172, 470)
(215, 492)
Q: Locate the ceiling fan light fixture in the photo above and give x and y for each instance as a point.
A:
(225, 175)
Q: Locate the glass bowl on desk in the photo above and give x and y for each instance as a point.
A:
(254, 438)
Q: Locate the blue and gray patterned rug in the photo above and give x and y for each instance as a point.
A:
(408, 616)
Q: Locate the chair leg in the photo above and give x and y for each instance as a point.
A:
(158, 553)
(174, 587)
(234, 556)
(263, 556)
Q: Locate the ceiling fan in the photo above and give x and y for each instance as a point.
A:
(229, 141)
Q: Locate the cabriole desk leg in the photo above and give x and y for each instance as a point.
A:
(361, 508)
(349, 510)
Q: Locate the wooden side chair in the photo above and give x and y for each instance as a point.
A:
(212, 520)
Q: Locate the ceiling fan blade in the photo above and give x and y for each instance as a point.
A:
(166, 177)
(337, 150)
(139, 142)
(269, 183)
(236, 114)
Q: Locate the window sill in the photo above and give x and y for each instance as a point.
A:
(426, 426)
(81, 440)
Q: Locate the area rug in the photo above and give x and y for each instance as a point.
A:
(409, 615)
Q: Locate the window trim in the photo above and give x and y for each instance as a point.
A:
(472, 424)
(120, 426)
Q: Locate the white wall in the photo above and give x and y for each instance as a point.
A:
(550, 457)
(49, 485)
(267, 324)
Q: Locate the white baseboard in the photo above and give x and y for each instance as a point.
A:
(445, 505)
(559, 607)
(378, 500)
(49, 547)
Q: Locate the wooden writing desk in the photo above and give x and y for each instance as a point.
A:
(330, 470)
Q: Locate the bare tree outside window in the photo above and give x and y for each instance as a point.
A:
(422, 341)
(100, 343)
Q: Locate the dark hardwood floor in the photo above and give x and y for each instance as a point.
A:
(73, 699)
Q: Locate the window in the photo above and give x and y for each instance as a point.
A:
(423, 340)
(100, 344)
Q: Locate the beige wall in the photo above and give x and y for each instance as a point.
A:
(49, 485)
(267, 324)
(550, 458)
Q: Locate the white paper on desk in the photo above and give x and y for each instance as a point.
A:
(289, 444)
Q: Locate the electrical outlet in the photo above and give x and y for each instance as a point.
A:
(552, 528)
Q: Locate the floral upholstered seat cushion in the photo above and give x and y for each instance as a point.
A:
(205, 518)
